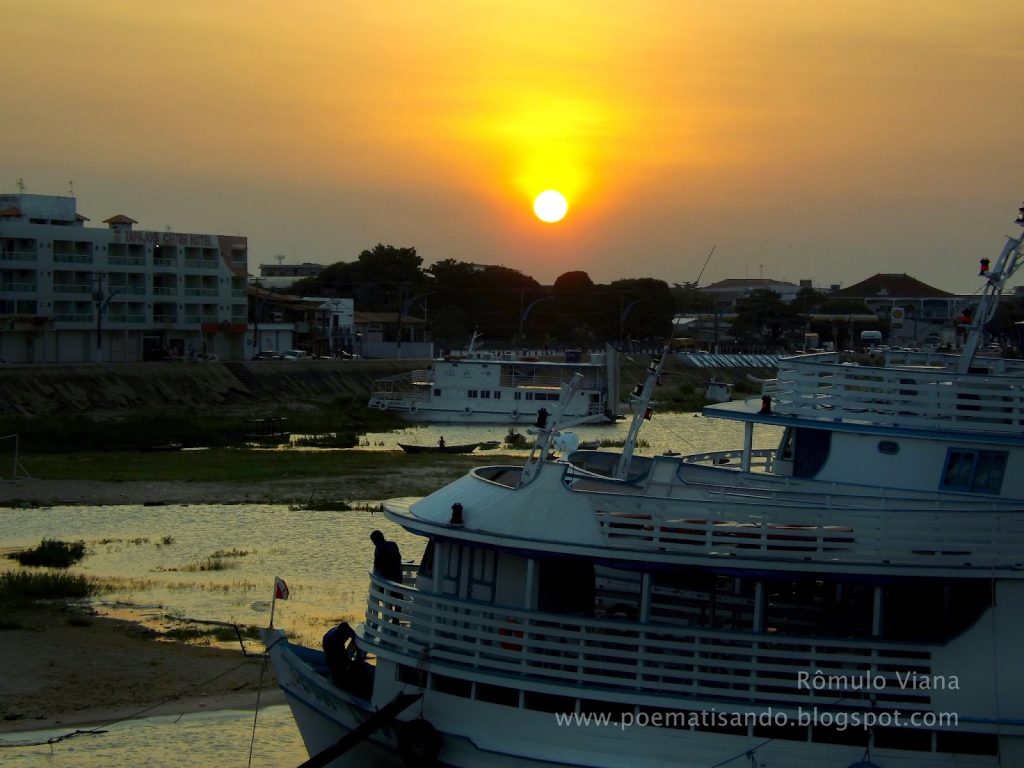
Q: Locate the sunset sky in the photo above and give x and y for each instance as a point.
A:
(827, 141)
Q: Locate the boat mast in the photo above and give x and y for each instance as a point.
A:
(1009, 261)
(640, 400)
(546, 430)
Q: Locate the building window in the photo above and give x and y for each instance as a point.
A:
(974, 471)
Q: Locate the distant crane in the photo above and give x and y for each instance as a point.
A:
(701, 273)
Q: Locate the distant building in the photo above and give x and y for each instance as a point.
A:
(917, 312)
(324, 327)
(390, 335)
(71, 293)
(727, 291)
(283, 275)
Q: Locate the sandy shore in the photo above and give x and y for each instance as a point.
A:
(67, 669)
(61, 671)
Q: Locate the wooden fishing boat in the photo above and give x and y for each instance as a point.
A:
(464, 448)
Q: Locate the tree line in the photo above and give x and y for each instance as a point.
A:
(511, 308)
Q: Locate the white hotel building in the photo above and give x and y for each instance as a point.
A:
(71, 293)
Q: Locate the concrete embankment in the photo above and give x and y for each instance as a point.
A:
(117, 388)
(36, 390)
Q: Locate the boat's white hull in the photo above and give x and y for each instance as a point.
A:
(475, 734)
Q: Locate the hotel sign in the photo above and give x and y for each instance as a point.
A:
(165, 238)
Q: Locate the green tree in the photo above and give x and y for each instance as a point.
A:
(764, 319)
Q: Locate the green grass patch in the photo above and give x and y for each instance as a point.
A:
(51, 553)
(243, 466)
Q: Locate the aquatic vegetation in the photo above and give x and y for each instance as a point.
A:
(51, 553)
(233, 552)
(620, 443)
(322, 505)
(210, 564)
(166, 541)
(22, 587)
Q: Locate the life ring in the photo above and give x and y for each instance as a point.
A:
(467, 410)
(419, 743)
(509, 632)
(515, 413)
(414, 408)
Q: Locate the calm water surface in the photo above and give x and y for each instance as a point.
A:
(153, 557)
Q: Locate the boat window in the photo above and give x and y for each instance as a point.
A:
(786, 445)
(932, 611)
(810, 451)
(427, 562)
(697, 599)
(974, 471)
(472, 393)
(437, 393)
(566, 586)
(497, 694)
(453, 686)
(889, 447)
(497, 394)
(485, 394)
(517, 395)
(451, 582)
(548, 702)
(483, 571)
(809, 606)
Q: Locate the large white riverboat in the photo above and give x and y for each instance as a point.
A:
(485, 387)
(854, 597)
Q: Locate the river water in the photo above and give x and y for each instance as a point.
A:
(153, 559)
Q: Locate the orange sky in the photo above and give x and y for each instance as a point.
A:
(803, 140)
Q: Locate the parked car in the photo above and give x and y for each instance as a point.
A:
(267, 354)
(296, 354)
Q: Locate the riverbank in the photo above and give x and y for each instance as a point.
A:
(231, 477)
(66, 668)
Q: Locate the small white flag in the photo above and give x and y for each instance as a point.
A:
(280, 589)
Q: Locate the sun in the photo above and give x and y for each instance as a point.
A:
(550, 206)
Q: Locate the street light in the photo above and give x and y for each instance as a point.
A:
(625, 314)
(102, 301)
(403, 309)
(526, 312)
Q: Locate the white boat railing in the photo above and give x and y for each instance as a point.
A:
(760, 458)
(629, 661)
(817, 387)
(758, 524)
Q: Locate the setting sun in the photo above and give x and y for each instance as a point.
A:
(550, 206)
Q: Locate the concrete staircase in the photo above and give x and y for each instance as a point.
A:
(241, 372)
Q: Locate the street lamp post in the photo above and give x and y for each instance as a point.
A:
(526, 313)
(403, 309)
(624, 314)
(102, 301)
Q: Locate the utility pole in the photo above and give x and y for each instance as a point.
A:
(101, 304)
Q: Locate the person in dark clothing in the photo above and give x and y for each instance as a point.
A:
(387, 558)
(387, 563)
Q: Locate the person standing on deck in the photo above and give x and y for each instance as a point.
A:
(387, 558)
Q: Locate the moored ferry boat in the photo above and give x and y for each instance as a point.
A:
(852, 598)
(501, 388)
